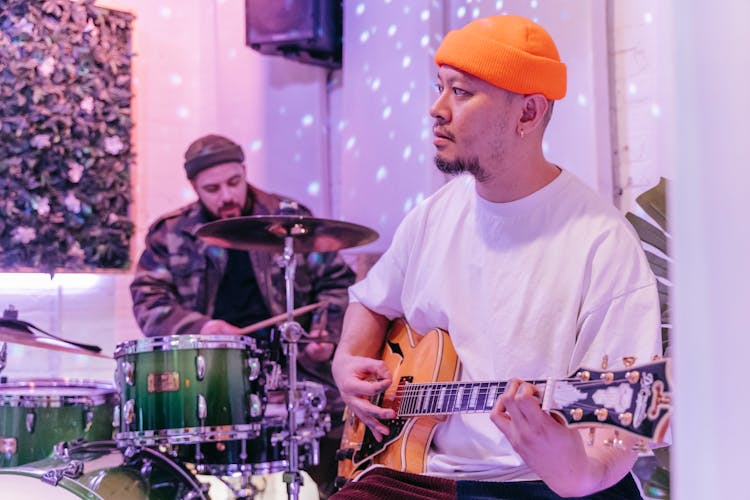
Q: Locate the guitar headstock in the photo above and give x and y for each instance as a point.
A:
(636, 400)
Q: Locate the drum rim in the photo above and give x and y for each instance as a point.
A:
(106, 393)
(183, 342)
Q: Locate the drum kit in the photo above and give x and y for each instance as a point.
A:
(182, 406)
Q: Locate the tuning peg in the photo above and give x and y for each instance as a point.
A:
(615, 441)
(628, 361)
(591, 436)
(583, 376)
(601, 414)
(640, 446)
(605, 362)
(625, 418)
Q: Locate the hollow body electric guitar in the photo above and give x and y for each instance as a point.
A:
(424, 392)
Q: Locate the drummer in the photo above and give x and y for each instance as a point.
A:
(182, 285)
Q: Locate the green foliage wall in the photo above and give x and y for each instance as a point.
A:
(65, 136)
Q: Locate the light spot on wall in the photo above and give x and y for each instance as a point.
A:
(405, 97)
(499, 5)
(313, 189)
(183, 112)
(165, 12)
(424, 41)
(655, 110)
(392, 30)
(424, 15)
(534, 4)
(308, 120)
(232, 53)
(406, 62)
(408, 204)
(582, 100)
(256, 145)
(381, 173)
(632, 89)
(648, 18)
(175, 79)
(386, 112)
(461, 12)
(407, 152)
(364, 36)
(545, 147)
(351, 142)
(375, 85)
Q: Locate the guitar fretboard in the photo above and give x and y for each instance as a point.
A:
(448, 397)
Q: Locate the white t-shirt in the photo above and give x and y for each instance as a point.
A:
(533, 288)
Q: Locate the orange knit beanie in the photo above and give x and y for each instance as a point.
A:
(510, 52)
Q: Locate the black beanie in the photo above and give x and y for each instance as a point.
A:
(211, 150)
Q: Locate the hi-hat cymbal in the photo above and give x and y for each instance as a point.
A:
(15, 336)
(267, 232)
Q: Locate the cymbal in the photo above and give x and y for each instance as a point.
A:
(267, 233)
(15, 336)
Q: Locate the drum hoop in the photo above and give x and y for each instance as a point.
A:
(65, 483)
(106, 393)
(256, 469)
(188, 435)
(184, 342)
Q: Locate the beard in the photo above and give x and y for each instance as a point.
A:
(460, 166)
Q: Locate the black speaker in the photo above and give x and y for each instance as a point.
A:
(308, 31)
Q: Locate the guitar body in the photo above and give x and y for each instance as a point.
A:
(411, 358)
(424, 392)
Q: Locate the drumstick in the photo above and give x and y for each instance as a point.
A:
(278, 318)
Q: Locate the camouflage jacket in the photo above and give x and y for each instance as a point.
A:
(178, 277)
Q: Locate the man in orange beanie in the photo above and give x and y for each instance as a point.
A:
(530, 272)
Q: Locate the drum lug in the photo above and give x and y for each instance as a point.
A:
(256, 406)
(146, 468)
(73, 470)
(30, 421)
(202, 407)
(129, 410)
(129, 369)
(8, 446)
(200, 367)
(89, 420)
(116, 417)
(254, 365)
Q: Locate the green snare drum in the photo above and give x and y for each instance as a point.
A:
(36, 414)
(187, 389)
(98, 470)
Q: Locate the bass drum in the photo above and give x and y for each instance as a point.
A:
(36, 414)
(98, 470)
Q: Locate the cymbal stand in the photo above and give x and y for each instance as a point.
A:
(3, 356)
(291, 332)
